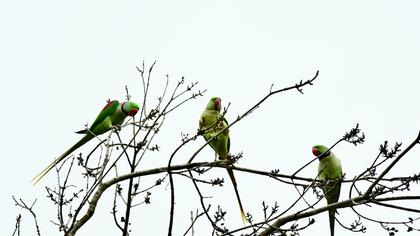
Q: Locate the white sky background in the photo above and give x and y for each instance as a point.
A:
(61, 61)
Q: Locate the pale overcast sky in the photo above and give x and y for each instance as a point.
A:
(62, 60)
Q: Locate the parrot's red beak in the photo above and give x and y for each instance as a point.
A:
(133, 112)
(217, 103)
(315, 151)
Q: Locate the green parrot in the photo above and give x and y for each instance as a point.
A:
(329, 169)
(220, 144)
(111, 115)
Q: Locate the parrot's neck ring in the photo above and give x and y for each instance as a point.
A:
(122, 109)
(323, 155)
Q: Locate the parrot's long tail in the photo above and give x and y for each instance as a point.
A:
(82, 141)
(331, 215)
(232, 178)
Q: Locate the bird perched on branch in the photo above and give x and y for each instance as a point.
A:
(330, 172)
(212, 123)
(113, 114)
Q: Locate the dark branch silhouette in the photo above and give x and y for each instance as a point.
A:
(116, 160)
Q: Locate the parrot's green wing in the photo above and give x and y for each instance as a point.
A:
(219, 144)
(107, 111)
(331, 191)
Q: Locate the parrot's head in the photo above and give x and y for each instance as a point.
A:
(320, 151)
(214, 104)
(130, 108)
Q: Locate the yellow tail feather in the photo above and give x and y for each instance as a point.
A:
(82, 141)
(232, 178)
(243, 216)
(39, 176)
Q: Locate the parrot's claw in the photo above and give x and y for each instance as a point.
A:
(117, 128)
(227, 162)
